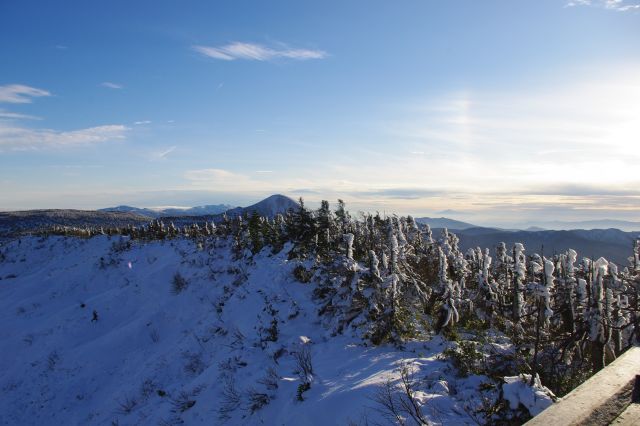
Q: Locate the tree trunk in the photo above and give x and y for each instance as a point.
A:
(597, 356)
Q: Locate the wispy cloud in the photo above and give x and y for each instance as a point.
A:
(17, 116)
(450, 212)
(111, 85)
(257, 52)
(139, 123)
(224, 180)
(619, 5)
(208, 175)
(15, 138)
(401, 193)
(558, 134)
(582, 190)
(20, 94)
(162, 154)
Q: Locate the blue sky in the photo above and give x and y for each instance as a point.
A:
(495, 111)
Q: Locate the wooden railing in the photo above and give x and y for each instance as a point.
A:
(610, 397)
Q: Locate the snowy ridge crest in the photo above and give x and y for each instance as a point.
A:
(292, 319)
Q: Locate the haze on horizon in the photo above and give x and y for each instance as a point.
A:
(491, 112)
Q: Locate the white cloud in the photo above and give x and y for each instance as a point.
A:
(17, 116)
(619, 5)
(208, 175)
(15, 138)
(111, 85)
(20, 94)
(257, 52)
(224, 180)
(138, 123)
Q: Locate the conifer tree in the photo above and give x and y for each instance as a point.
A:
(598, 330)
(519, 276)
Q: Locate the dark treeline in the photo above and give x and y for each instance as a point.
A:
(392, 280)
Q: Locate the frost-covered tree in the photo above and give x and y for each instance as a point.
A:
(343, 218)
(348, 239)
(373, 265)
(519, 275)
(598, 320)
(448, 313)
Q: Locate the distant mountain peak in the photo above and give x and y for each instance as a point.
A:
(444, 222)
(269, 207)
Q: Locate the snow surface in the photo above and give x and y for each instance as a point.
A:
(158, 356)
(517, 391)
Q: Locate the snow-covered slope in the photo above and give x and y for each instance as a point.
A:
(32, 220)
(185, 333)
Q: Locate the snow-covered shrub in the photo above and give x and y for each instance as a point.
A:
(399, 401)
(270, 333)
(148, 387)
(270, 379)
(194, 364)
(182, 402)
(465, 357)
(231, 399)
(302, 274)
(520, 394)
(127, 405)
(302, 388)
(303, 363)
(154, 335)
(121, 245)
(179, 283)
(257, 400)
(52, 360)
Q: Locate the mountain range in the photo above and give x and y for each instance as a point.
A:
(613, 238)
(172, 211)
(615, 244)
(623, 225)
(443, 222)
(269, 207)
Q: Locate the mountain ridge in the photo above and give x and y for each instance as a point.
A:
(444, 222)
(172, 211)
